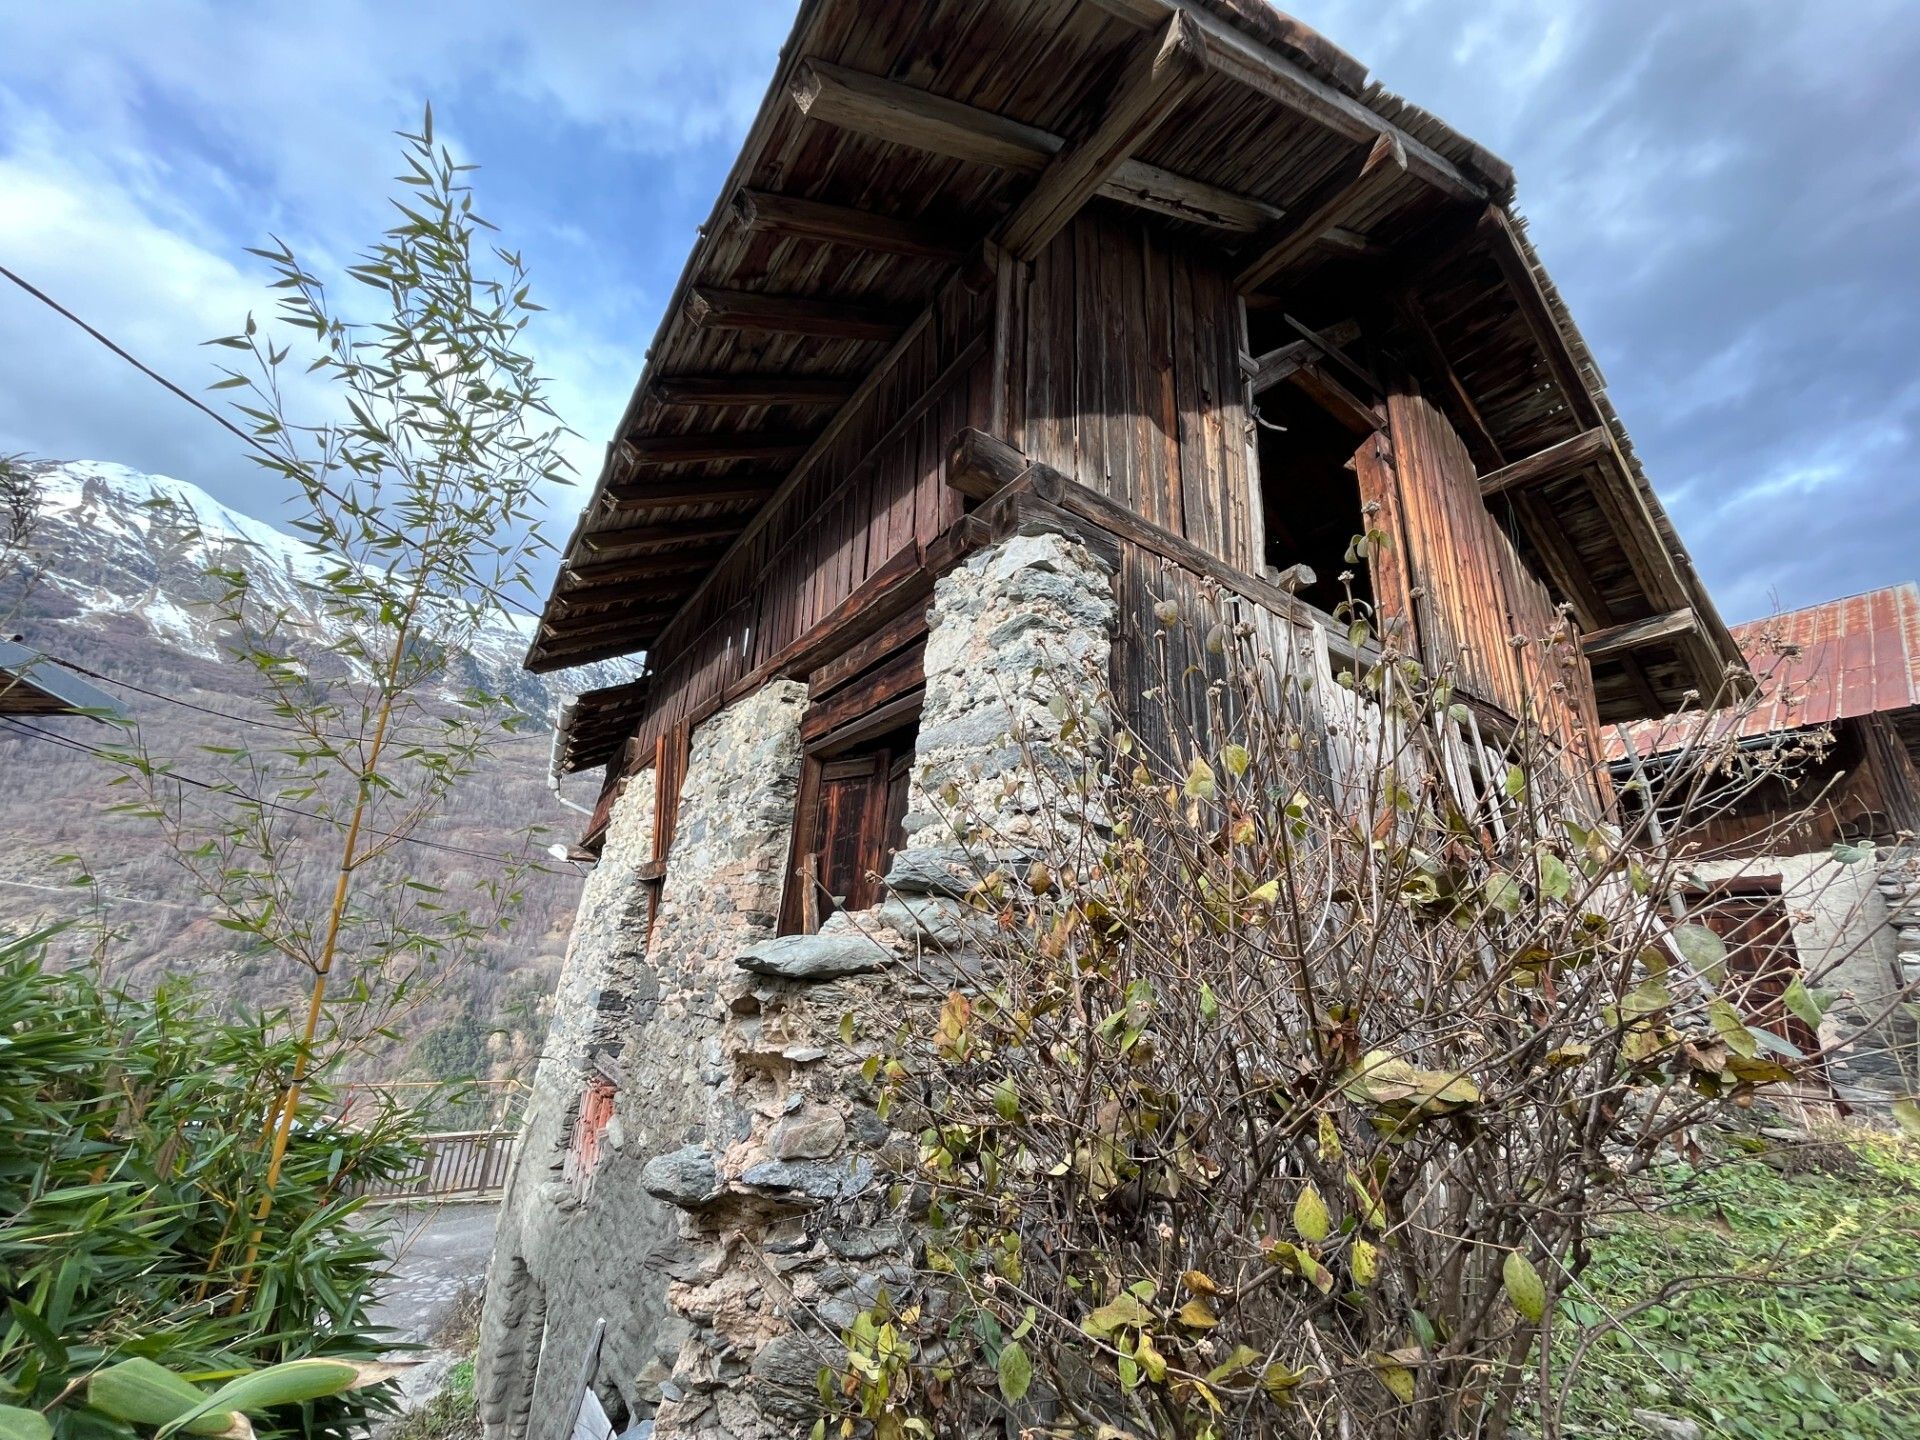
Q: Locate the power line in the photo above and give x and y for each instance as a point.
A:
(99, 894)
(221, 420)
(215, 787)
(545, 739)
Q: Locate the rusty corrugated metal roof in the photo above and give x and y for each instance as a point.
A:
(1838, 660)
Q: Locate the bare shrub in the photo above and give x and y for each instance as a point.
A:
(1307, 1044)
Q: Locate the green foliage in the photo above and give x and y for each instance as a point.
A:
(131, 1137)
(1821, 1337)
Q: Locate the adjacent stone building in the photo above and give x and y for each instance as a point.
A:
(1018, 325)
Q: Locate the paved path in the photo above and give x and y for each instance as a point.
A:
(436, 1253)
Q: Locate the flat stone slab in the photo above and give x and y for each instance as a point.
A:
(815, 957)
(834, 1180)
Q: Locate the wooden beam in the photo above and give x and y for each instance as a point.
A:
(1552, 463)
(1263, 372)
(791, 216)
(1164, 71)
(640, 589)
(693, 557)
(791, 315)
(647, 537)
(885, 109)
(1636, 633)
(693, 490)
(697, 448)
(1326, 391)
(980, 465)
(1350, 188)
(1237, 55)
(560, 636)
(751, 390)
(1337, 357)
(1294, 40)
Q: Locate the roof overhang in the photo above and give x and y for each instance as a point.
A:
(33, 684)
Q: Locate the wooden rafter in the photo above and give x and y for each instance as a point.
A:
(751, 390)
(719, 445)
(789, 215)
(1552, 463)
(791, 315)
(1164, 71)
(692, 557)
(1350, 188)
(1618, 639)
(1266, 371)
(1239, 57)
(665, 494)
(1301, 41)
(887, 110)
(647, 537)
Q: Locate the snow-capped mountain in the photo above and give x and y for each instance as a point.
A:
(115, 546)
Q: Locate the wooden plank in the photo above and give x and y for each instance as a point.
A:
(792, 315)
(1468, 420)
(1636, 633)
(1164, 72)
(980, 465)
(1268, 370)
(574, 578)
(1326, 390)
(721, 445)
(1293, 39)
(904, 629)
(1262, 70)
(899, 676)
(752, 389)
(886, 110)
(692, 490)
(1551, 463)
(762, 212)
(1349, 188)
(646, 537)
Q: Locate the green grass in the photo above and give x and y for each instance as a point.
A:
(449, 1415)
(1823, 1340)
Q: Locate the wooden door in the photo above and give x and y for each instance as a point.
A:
(1761, 957)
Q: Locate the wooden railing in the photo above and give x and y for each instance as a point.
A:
(457, 1165)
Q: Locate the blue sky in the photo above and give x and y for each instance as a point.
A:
(1728, 191)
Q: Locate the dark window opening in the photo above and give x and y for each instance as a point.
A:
(1309, 496)
(848, 826)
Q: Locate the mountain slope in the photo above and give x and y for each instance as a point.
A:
(114, 586)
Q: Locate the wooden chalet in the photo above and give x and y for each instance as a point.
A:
(1171, 271)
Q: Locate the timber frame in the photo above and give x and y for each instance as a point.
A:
(917, 200)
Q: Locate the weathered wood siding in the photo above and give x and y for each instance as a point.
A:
(1471, 594)
(1130, 365)
(880, 490)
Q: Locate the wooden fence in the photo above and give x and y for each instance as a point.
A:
(457, 1165)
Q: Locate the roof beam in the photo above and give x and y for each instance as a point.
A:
(720, 445)
(1351, 187)
(791, 315)
(646, 537)
(1163, 72)
(1302, 41)
(1259, 67)
(1635, 633)
(1268, 370)
(647, 591)
(885, 109)
(691, 558)
(751, 390)
(1552, 463)
(693, 490)
(791, 216)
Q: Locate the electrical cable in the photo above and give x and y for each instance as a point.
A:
(21, 727)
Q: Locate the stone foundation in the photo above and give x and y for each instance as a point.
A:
(736, 1221)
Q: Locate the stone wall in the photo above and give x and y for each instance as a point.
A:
(737, 1220)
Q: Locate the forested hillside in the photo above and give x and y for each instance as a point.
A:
(110, 586)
